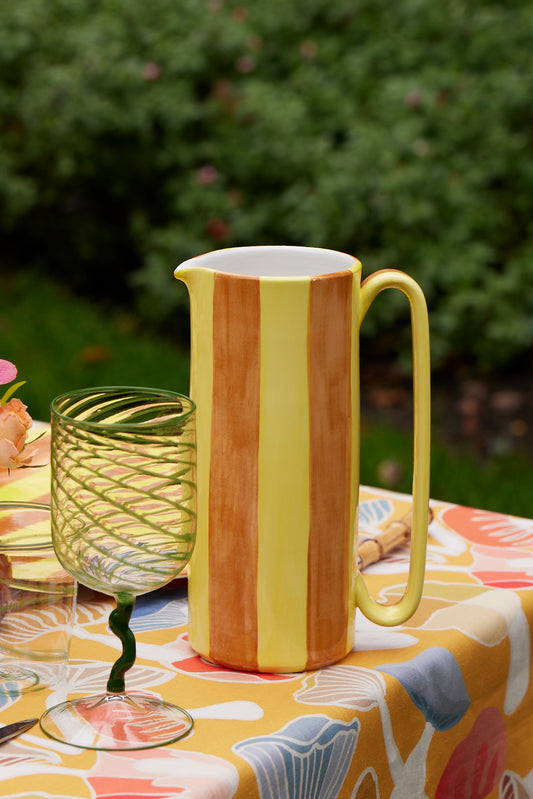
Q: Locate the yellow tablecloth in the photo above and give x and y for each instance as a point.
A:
(439, 707)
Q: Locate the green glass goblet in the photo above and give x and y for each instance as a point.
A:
(123, 503)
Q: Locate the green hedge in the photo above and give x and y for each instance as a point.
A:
(134, 134)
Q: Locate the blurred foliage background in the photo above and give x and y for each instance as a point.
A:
(135, 135)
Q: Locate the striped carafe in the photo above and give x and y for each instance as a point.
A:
(273, 585)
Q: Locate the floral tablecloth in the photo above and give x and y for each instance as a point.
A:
(439, 707)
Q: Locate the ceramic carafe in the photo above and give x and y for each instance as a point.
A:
(275, 377)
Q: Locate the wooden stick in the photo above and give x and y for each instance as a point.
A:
(396, 533)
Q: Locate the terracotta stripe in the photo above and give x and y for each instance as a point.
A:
(233, 471)
(330, 401)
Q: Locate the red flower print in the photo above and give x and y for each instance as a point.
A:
(478, 762)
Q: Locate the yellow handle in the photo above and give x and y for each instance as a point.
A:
(390, 615)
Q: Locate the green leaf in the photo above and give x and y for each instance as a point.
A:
(10, 391)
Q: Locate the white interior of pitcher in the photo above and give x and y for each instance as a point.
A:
(274, 261)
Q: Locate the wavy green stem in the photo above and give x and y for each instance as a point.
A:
(118, 621)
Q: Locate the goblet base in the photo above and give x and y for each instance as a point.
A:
(15, 679)
(116, 721)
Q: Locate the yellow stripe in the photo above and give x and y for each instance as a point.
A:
(30, 485)
(283, 512)
(201, 286)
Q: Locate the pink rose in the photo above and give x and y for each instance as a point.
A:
(8, 371)
(15, 422)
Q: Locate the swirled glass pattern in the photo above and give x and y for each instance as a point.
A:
(123, 487)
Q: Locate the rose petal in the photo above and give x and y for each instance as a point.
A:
(8, 454)
(15, 421)
(8, 371)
